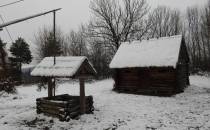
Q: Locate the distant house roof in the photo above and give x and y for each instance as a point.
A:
(161, 52)
(64, 67)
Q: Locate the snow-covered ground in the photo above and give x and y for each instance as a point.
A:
(187, 111)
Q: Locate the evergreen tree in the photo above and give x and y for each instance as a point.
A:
(51, 48)
(21, 52)
(6, 79)
(46, 46)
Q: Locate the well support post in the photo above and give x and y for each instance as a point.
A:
(82, 95)
(50, 87)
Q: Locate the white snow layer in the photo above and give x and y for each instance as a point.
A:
(163, 51)
(113, 111)
(65, 66)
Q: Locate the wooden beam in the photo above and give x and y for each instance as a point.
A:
(26, 18)
(54, 85)
(50, 87)
(82, 95)
(54, 35)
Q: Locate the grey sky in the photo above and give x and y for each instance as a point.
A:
(73, 13)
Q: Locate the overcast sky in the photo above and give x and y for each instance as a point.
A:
(73, 13)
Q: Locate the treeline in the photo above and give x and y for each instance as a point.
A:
(115, 21)
(197, 33)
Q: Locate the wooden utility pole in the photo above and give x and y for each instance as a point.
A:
(54, 35)
(54, 49)
(82, 95)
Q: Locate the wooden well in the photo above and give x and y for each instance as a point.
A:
(64, 107)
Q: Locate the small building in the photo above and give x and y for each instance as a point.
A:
(157, 66)
(64, 106)
(26, 77)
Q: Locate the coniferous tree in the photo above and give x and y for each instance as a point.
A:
(21, 52)
(6, 80)
(51, 47)
(46, 45)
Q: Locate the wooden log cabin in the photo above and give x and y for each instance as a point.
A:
(158, 66)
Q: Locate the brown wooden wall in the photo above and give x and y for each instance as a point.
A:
(145, 80)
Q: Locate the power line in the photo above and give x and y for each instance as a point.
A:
(11, 3)
(10, 36)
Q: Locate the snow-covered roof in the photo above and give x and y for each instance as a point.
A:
(155, 52)
(64, 67)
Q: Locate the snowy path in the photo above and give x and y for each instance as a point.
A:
(187, 111)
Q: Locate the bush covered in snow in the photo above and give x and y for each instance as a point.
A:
(7, 85)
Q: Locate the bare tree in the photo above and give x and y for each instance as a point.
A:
(165, 22)
(205, 33)
(193, 18)
(117, 22)
(99, 56)
(77, 42)
(198, 37)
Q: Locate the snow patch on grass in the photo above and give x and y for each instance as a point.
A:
(188, 110)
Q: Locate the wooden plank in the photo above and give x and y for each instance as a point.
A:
(46, 106)
(50, 87)
(82, 95)
(48, 102)
(51, 111)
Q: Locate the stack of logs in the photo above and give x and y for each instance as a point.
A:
(64, 107)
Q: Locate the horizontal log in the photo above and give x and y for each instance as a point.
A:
(56, 97)
(53, 113)
(62, 110)
(169, 85)
(72, 106)
(64, 97)
(77, 104)
(76, 101)
(52, 110)
(48, 102)
(150, 92)
(51, 107)
(74, 114)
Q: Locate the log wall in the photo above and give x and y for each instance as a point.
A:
(154, 81)
(64, 107)
(182, 77)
